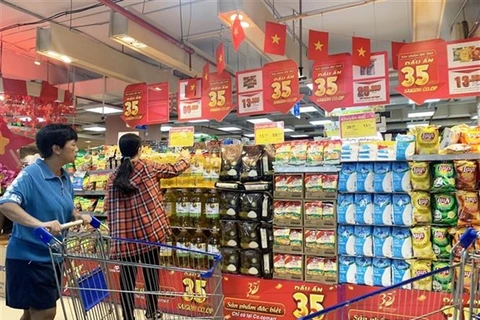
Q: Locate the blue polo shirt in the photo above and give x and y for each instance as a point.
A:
(46, 197)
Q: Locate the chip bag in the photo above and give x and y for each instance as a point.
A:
(470, 136)
(466, 174)
(427, 140)
(468, 213)
(443, 177)
(442, 281)
(421, 203)
(420, 176)
(422, 244)
(418, 268)
(442, 243)
(445, 209)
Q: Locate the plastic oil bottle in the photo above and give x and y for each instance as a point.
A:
(182, 207)
(166, 254)
(216, 166)
(197, 209)
(170, 205)
(183, 241)
(212, 209)
(213, 246)
(199, 243)
(197, 165)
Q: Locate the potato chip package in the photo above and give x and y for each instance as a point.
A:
(442, 281)
(420, 176)
(422, 244)
(442, 242)
(421, 203)
(466, 174)
(427, 140)
(470, 136)
(445, 209)
(468, 210)
(419, 268)
(443, 177)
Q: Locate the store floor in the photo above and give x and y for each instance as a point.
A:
(12, 314)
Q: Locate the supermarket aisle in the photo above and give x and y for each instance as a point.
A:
(11, 314)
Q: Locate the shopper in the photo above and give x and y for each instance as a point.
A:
(134, 209)
(40, 196)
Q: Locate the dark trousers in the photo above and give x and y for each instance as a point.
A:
(128, 276)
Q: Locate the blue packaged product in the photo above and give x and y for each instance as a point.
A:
(383, 178)
(402, 243)
(346, 240)
(363, 241)
(347, 181)
(382, 242)
(347, 270)
(405, 147)
(346, 209)
(382, 209)
(401, 177)
(401, 271)
(402, 210)
(382, 272)
(365, 177)
(364, 271)
(363, 208)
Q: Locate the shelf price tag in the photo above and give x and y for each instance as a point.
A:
(181, 137)
(269, 133)
(358, 125)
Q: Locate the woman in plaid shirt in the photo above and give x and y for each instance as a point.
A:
(134, 209)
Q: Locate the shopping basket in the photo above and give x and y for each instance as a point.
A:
(138, 283)
(460, 299)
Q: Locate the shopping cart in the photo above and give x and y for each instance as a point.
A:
(457, 297)
(166, 282)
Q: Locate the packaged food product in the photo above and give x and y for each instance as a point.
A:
(443, 177)
(445, 209)
(385, 150)
(251, 263)
(467, 277)
(231, 162)
(99, 208)
(382, 242)
(251, 164)
(368, 151)
(350, 151)
(364, 271)
(229, 205)
(315, 266)
(363, 241)
(364, 208)
(281, 236)
(383, 178)
(347, 270)
(314, 210)
(401, 272)
(283, 153)
(470, 136)
(457, 148)
(284, 210)
(442, 282)
(346, 209)
(421, 267)
(330, 182)
(279, 265)
(315, 153)
(427, 140)
(401, 177)
(442, 243)
(402, 210)
(229, 234)
(405, 147)
(294, 265)
(382, 272)
(320, 240)
(421, 202)
(313, 182)
(420, 176)
(332, 151)
(328, 211)
(382, 209)
(422, 243)
(468, 210)
(251, 206)
(402, 243)
(348, 178)
(346, 240)
(249, 235)
(365, 175)
(299, 152)
(466, 174)
(230, 260)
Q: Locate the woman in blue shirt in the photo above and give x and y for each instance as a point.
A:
(41, 196)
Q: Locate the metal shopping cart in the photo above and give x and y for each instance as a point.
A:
(456, 298)
(163, 283)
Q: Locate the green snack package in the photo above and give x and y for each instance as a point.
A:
(443, 177)
(442, 243)
(442, 282)
(445, 209)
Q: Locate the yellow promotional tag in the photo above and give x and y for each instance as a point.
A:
(358, 125)
(181, 137)
(269, 133)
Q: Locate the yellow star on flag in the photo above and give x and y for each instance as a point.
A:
(235, 32)
(318, 46)
(206, 76)
(361, 52)
(276, 39)
(4, 141)
(220, 58)
(192, 87)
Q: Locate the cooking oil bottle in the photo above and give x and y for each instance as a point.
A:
(170, 205)
(166, 253)
(197, 209)
(183, 241)
(212, 209)
(199, 243)
(213, 246)
(182, 207)
(207, 171)
(197, 165)
(216, 166)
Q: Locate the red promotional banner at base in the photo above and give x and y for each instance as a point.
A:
(217, 100)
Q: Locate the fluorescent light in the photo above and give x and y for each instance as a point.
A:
(53, 54)
(259, 120)
(26, 119)
(299, 135)
(288, 130)
(320, 122)
(249, 135)
(198, 121)
(165, 128)
(426, 101)
(104, 110)
(310, 86)
(95, 128)
(127, 39)
(308, 109)
(157, 89)
(37, 63)
(475, 117)
(229, 129)
(423, 114)
(66, 59)
(417, 124)
(244, 24)
(2, 97)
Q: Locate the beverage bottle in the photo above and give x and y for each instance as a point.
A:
(212, 209)
(197, 209)
(183, 241)
(170, 205)
(166, 254)
(182, 207)
(213, 246)
(199, 242)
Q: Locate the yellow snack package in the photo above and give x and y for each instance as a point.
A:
(418, 268)
(422, 208)
(471, 136)
(422, 243)
(427, 140)
(420, 176)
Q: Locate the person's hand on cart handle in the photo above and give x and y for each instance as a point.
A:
(54, 227)
(86, 218)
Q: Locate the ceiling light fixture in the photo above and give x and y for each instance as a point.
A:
(37, 62)
(228, 129)
(66, 59)
(426, 101)
(288, 130)
(260, 120)
(165, 128)
(423, 114)
(104, 110)
(95, 128)
(157, 89)
(308, 109)
(249, 135)
(299, 136)
(417, 124)
(243, 23)
(198, 121)
(320, 122)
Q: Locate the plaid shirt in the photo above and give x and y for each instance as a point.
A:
(139, 216)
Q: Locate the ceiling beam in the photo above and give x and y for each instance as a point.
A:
(427, 19)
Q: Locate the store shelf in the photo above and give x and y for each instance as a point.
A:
(304, 169)
(95, 214)
(89, 192)
(447, 157)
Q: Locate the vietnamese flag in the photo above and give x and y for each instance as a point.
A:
(317, 45)
(238, 35)
(396, 46)
(361, 52)
(275, 38)
(220, 55)
(191, 89)
(206, 76)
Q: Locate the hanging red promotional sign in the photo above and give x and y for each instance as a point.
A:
(217, 100)
(158, 103)
(250, 93)
(371, 85)
(464, 67)
(422, 70)
(189, 109)
(332, 82)
(146, 104)
(281, 87)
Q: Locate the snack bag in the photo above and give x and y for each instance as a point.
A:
(401, 177)
(466, 174)
(315, 153)
(382, 209)
(442, 244)
(422, 244)
(420, 176)
(283, 153)
(443, 177)
(382, 242)
(405, 147)
(330, 182)
(445, 209)
(363, 208)
(402, 243)
(402, 210)
(346, 208)
(383, 178)
(442, 282)
(350, 151)
(382, 272)
(401, 272)
(421, 267)
(332, 151)
(365, 177)
(363, 241)
(364, 271)
(467, 277)
(299, 152)
(427, 140)
(470, 136)
(348, 178)
(346, 240)
(421, 207)
(468, 210)
(347, 270)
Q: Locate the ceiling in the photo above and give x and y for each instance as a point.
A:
(196, 24)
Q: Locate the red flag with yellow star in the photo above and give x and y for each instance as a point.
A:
(361, 52)
(317, 45)
(206, 76)
(191, 89)
(238, 35)
(220, 54)
(275, 38)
